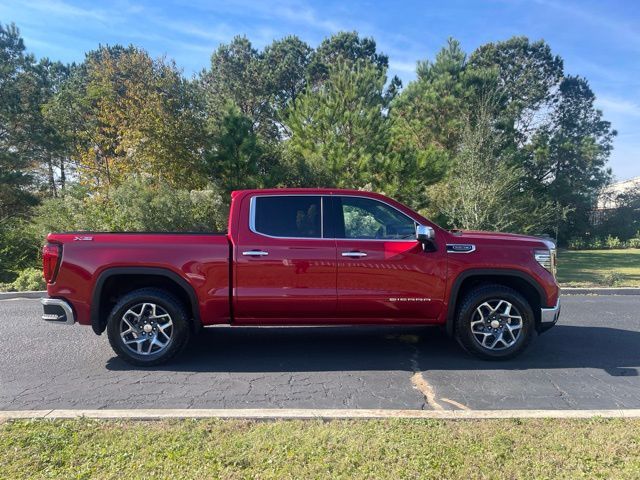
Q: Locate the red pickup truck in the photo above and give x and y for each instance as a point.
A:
(303, 257)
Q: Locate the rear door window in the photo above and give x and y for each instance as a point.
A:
(296, 216)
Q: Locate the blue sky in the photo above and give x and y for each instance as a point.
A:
(598, 40)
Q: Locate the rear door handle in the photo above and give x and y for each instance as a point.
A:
(255, 253)
(354, 254)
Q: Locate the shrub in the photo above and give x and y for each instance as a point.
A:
(19, 248)
(611, 279)
(634, 243)
(136, 205)
(29, 279)
(612, 242)
(595, 243)
(577, 244)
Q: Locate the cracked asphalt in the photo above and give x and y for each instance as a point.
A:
(590, 360)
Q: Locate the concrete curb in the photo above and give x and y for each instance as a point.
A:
(600, 291)
(275, 414)
(31, 294)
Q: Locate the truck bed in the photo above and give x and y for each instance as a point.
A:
(201, 260)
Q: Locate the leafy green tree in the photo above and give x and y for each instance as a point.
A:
(545, 121)
(428, 121)
(137, 204)
(481, 190)
(623, 221)
(569, 155)
(430, 111)
(16, 176)
(348, 48)
(527, 74)
(138, 116)
(285, 64)
(47, 147)
(339, 131)
(66, 114)
(236, 159)
(237, 75)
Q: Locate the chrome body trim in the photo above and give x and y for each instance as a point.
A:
(425, 233)
(69, 317)
(549, 316)
(252, 217)
(451, 246)
(354, 254)
(255, 253)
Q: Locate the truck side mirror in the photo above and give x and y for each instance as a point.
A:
(425, 235)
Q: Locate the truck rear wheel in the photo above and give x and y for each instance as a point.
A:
(494, 322)
(148, 327)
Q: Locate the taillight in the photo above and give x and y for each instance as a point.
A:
(51, 254)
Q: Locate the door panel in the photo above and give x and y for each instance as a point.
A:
(394, 281)
(292, 279)
(389, 277)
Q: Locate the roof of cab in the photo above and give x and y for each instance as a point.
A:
(325, 191)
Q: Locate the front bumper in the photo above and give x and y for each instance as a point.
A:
(549, 317)
(57, 311)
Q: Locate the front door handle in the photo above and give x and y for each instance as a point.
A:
(354, 254)
(255, 253)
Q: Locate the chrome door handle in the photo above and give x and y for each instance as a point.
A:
(255, 253)
(354, 254)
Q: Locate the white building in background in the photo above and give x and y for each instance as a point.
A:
(607, 200)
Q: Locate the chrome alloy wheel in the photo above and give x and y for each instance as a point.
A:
(496, 324)
(146, 328)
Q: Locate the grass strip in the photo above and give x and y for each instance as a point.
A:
(589, 268)
(381, 449)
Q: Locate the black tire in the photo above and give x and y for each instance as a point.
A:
(491, 295)
(180, 332)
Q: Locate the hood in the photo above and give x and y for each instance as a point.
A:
(462, 236)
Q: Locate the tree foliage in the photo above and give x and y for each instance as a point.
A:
(339, 131)
(138, 119)
(500, 138)
(481, 190)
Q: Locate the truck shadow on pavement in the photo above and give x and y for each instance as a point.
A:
(310, 349)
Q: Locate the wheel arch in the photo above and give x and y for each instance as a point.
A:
(520, 281)
(114, 282)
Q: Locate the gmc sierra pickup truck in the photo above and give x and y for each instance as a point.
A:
(303, 257)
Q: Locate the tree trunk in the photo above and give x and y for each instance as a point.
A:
(52, 178)
(63, 177)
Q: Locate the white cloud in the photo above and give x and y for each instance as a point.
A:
(618, 105)
(63, 9)
(304, 14)
(405, 67)
(220, 32)
(617, 27)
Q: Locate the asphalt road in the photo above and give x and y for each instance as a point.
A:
(589, 360)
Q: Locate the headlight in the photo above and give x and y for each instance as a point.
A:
(546, 258)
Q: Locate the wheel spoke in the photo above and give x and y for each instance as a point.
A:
(496, 324)
(131, 312)
(131, 327)
(512, 327)
(141, 326)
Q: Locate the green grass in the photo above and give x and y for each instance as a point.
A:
(382, 449)
(585, 268)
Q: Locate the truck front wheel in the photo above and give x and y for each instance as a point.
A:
(148, 327)
(494, 322)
